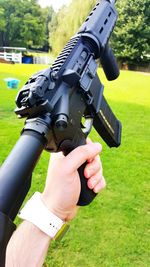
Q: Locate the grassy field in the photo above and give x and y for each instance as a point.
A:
(114, 231)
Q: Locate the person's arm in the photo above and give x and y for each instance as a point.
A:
(28, 245)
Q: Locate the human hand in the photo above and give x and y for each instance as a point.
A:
(62, 189)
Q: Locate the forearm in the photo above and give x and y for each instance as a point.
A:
(27, 247)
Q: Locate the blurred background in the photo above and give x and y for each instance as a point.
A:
(114, 231)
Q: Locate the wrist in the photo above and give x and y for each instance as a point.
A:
(52, 207)
(38, 214)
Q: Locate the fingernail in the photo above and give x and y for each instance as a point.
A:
(94, 182)
(87, 174)
(98, 144)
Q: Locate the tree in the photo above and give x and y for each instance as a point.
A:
(2, 24)
(67, 22)
(131, 38)
(25, 23)
(49, 14)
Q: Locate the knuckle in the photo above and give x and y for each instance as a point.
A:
(97, 166)
(96, 190)
(84, 151)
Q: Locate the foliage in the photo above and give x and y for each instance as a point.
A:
(67, 22)
(131, 39)
(114, 230)
(49, 14)
(2, 20)
(24, 23)
(2, 23)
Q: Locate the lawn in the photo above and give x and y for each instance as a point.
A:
(114, 231)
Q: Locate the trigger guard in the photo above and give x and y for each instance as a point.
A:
(66, 147)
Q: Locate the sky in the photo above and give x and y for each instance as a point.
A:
(55, 3)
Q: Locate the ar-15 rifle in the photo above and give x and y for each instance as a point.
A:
(54, 102)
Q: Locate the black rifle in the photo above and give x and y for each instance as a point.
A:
(54, 101)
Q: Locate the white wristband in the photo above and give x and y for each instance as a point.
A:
(37, 213)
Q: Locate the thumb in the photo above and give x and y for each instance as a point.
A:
(81, 154)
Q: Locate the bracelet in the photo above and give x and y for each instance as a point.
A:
(37, 213)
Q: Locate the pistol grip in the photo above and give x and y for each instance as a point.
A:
(86, 195)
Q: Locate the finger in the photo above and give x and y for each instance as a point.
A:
(94, 180)
(89, 141)
(100, 186)
(93, 167)
(81, 154)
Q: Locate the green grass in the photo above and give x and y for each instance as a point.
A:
(114, 231)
